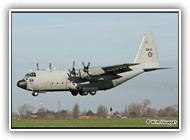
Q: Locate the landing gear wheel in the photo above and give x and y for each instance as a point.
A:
(74, 93)
(83, 93)
(35, 93)
(92, 93)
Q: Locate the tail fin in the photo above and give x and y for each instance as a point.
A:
(147, 55)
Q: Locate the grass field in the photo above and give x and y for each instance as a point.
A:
(92, 123)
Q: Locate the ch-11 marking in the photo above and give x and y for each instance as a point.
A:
(148, 49)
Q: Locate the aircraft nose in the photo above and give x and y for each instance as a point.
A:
(22, 84)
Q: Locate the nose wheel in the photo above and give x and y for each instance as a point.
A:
(35, 93)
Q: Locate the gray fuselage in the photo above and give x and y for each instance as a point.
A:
(61, 80)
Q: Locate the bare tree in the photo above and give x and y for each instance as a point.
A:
(138, 109)
(169, 111)
(135, 110)
(25, 110)
(14, 115)
(145, 105)
(76, 111)
(126, 110)
(63, 114)
(150, 112)
(42, 112)
(102, 111)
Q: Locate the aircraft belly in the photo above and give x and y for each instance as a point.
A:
(98, 85)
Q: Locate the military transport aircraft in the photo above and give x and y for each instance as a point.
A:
(88, 80)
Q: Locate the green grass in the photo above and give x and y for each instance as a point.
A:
(140, 122)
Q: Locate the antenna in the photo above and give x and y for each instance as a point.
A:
(41, 104)
(37, 66)
(59, 106)
(50, 66)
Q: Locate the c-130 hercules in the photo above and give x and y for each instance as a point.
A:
(91, 79)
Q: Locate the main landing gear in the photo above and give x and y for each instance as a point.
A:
(83, 93)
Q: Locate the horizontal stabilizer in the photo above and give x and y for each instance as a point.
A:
(152, 69)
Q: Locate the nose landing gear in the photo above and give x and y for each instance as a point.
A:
(34, 93)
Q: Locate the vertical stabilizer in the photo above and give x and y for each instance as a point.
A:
(147, 54)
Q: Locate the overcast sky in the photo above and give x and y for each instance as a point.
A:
(104, 39)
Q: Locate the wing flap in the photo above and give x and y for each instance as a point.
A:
(118, 68)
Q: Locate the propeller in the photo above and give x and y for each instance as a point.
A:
(86, 67)
(73, 71)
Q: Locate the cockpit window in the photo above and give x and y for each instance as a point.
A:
(26, 76)
(33, 74)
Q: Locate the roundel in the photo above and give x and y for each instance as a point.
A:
(149, 54)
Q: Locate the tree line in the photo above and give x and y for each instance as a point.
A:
(134, 110)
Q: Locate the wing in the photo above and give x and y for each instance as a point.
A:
(111, 72)
(118, 68)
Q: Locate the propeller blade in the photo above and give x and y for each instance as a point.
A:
(83, 64)
(85, 69)
(88, 65)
